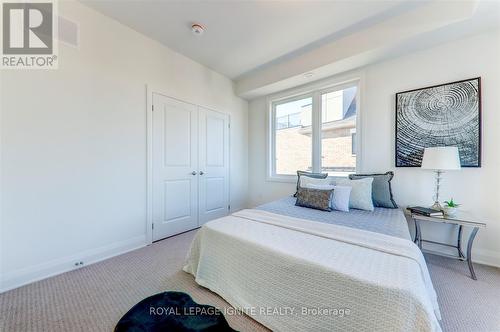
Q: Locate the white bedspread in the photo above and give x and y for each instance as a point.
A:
(298, 275)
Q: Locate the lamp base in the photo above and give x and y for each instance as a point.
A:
(437, 206)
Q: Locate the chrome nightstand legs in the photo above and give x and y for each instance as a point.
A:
(469, 252)
(418, 234)
(418, 241)
(459, 243)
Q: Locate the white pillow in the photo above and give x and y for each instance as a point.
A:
(340, 196)
(361, 193)
(305, 181)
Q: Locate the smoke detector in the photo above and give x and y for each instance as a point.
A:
(197, 29)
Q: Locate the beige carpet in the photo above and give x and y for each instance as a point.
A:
(95, 297)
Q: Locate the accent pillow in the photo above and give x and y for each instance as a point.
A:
(381, 189)
(308, 174)
(314, 198)
(361, 193)
(340, 195)
(341, 198)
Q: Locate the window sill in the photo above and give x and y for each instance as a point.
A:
(338, 175)
(293, 178)
(282, 178)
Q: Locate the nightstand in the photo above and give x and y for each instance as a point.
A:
(461, 220)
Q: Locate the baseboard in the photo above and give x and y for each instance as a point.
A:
(31, 274)
(486, 257)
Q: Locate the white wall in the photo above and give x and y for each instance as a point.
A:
(73, 145)
(477, 189)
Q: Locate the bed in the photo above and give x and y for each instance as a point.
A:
(298, 269)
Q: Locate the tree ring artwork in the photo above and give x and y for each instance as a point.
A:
(442, 115)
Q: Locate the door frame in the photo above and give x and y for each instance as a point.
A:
(150, 89)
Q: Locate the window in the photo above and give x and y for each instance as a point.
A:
(293, 136)
(338, 123)
(314, 132)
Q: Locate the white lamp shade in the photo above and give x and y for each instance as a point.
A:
(441, 158)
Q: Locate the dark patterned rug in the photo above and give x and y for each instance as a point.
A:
(172, 311)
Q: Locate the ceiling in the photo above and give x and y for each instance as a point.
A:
(243, 36)
(269, 46)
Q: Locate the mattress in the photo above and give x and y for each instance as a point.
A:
(382, 220)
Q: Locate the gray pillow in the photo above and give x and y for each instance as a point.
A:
(309, 174)
(381, 189)
(314, 198)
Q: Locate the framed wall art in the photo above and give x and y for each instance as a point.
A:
(441, 115)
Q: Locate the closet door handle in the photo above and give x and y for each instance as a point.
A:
(193, 173)
(201, 173)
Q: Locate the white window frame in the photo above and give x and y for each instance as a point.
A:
(315, 91)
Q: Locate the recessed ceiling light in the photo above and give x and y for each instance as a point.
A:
(197, 29)
(308, 75)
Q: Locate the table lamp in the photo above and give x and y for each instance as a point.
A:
(440, 159)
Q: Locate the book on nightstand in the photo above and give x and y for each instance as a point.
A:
(425, 211)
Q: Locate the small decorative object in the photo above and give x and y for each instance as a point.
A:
(441, 115)
(440, 159)
(450, 208)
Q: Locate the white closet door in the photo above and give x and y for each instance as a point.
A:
(214, 165)
(175, 166)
